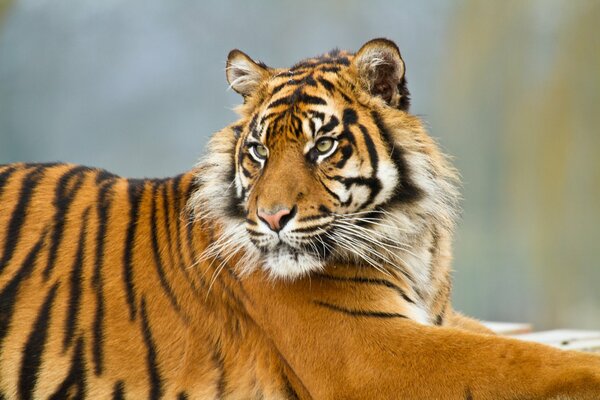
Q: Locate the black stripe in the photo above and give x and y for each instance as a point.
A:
(406, 191)
(329, 69)
(237, 130)
(373, 184)
(318, 114)
(311, 125)
(305, 229)
(156, 390)
(277, 88)
(234, 204)
(296, 124)
(330, 125)
(272, 118)
(308, 99)
(370, 149)
(331, 192)
(8, 296)
(326, 60)
(74, 385)
(179, 212)
(104, 176)
(348, 135)
(297, 97)
(326, 84)
(359, 313)
(341, 60)
(308, 80)
(287, 367)
(376, 186)
(232, 208)
(63, 198)
(190, 224)
(158, 264)
(76, 283)
(252, 127)
(102, 208)
(221, 384)
(135, 190)
(468, 393)
(346, 152)
(119, 391)
(357, 279)
(166, 206)
(255, 233)
(323, 209)
(5, 175)
(182, 396)
(290, 393)
(17, 218)
(349, 117)
(34, 348)
(312, 217)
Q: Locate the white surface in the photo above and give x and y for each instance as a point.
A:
(567, 339)
(508, 328)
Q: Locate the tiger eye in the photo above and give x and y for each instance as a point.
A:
(261, 151)
(324, 145)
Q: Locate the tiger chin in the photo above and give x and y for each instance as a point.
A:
(306, 256)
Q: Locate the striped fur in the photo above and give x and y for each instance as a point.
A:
(175, 288)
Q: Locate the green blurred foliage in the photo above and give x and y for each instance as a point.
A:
(4, 6)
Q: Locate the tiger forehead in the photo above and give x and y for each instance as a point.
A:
(300, 99)
(296, 112)
(292, 123)
(334, 57)
(316, 72)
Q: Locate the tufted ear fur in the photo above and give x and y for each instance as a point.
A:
(244, 74)
(381, 70)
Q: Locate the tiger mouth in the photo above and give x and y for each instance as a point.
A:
(373, 237)
(313, 238)
(317, 247)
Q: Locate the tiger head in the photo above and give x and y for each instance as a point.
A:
(325, 164)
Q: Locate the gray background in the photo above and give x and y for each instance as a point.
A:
(510, 89)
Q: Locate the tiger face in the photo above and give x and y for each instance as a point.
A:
(316, 170)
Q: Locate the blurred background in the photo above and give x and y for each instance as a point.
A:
(511, 89)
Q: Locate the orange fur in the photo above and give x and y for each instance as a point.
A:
(116, 287)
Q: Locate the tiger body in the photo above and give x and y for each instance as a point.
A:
(306, 256)
(98, 297)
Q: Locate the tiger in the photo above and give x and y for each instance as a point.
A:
(306, 256)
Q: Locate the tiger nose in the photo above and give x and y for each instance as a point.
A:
(278, 219)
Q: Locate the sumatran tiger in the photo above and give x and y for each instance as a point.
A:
(307, 256)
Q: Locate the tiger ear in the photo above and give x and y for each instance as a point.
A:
(380, 69)
(243, 73)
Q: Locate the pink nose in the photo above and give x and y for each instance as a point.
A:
(277, 220)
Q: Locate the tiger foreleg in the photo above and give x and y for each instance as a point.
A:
(339, 354)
